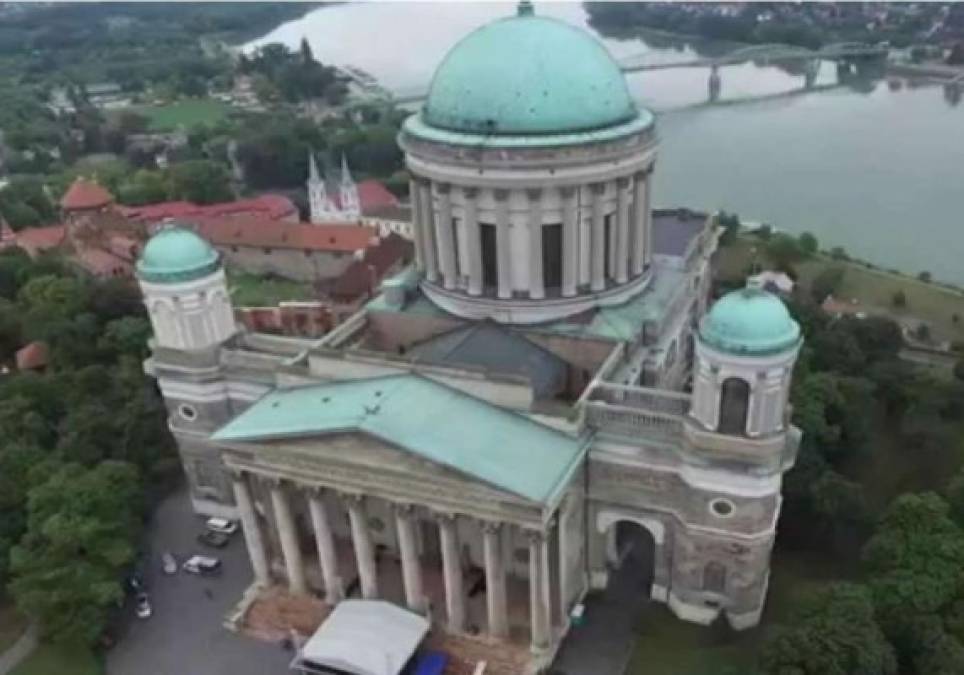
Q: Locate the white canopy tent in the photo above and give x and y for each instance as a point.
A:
(363, 637)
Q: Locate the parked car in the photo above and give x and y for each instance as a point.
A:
(143, 606)
(214, 539)
(202, 565)
(169, 563)
(222, 525)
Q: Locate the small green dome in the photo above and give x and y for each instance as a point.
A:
(176, 253)
(750, 321)
(528, 74)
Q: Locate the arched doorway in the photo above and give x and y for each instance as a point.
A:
(734, 405)
(631, 578)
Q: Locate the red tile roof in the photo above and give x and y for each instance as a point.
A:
(103, 264)
(84, 194)
(35, 240)
(32, 356)
(372, 196)
(273, 207)
(280, 234)
(362, 276)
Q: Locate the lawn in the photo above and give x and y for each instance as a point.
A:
(668, 646)
(872, 288)
(252, 290)
(184, 113)
(60, 660)
(12, 625)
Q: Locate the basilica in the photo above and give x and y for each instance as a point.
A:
(541, 391)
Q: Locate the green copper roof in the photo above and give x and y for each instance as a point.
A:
(176, 253)
(440, 424)
(526, 75)
(750, 321)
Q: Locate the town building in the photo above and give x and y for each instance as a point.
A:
(540, 393)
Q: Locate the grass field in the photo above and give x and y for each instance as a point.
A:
(668, 646)
(251, 290)
(60, 660)
(12, 625)
(186, 113)
(872, 288)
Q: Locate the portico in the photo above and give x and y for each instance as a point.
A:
(481, 531)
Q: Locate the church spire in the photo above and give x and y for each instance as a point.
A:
(345, 173)
(313, 176)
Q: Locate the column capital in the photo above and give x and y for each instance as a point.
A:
(355, 499)
(444, 517)
(623, 182)
(535, 536)
(491, 526)
(237, 473)
(274, 482)
(403, 509)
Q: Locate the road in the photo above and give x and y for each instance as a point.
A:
(185, 635)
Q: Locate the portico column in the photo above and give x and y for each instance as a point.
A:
(570, 242)
(537, 289)
(622, 231)
(417, 237)
(538, 592)
(252, 530)
(495, 595)
(452, 571)
(411, 565)
(288, 534)
(325, 543)
(648, 217)
(597, 259)
(364, 550)
(640, 206)
(446, 238)
(427, 225)
(502, 244)
(473, 239)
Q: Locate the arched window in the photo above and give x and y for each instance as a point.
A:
(734, 405)
(714, 577)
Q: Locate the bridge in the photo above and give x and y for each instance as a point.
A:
(766, 52)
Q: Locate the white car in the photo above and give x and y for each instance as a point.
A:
(222, 525)
(202, 565)
(169, 563)
(143, 606)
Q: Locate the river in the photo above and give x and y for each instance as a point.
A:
(874, 169)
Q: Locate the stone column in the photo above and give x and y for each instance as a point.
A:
(537, 289)
(452, 571)
(495, 592)
(364, 549)
(503, 246)
(448, 260)
(417, 238)
(648, 220)
(640, 206)
(288, 534)
(325, 543)
(427, 225)
(411, 565)
(570, 241)
(538, 591)
(252, 530)
(622, 231)
(473, 241)
(597, 237)
(562, 551)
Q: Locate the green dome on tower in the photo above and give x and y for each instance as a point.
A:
(176, 253)
(750, 321)
(528, 75)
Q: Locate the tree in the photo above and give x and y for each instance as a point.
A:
(832, 632)
(826, 283)
(925, 277)
(922, 332)
(81, 527)
(899, 299)
(808, 243)
(959, 369)
(784, 250)
(200, 181)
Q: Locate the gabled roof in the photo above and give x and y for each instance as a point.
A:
(33, 356)
(435, 422)
(270, 206)
(85, 194)
(36, 240)
(373, 195)
(261, 232)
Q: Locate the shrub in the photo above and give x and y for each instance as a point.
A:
(899, 299)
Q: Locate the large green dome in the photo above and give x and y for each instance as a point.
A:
(176, 253)
(750, 321)
(528, 74)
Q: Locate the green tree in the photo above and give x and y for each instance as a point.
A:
(808, 243)
(925, 277)
(144, 187)
(899, 299)
(959, 369)
(832, 632)
(81, 527)
(827, 282)
(784, 250)
(200, 181)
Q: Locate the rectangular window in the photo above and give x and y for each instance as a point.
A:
(552, 256)
(610, 248)
(455, 245)
(490, 269)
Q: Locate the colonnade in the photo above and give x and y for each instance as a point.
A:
(606, 235)
(497, 605)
